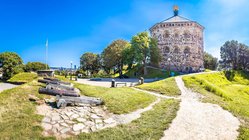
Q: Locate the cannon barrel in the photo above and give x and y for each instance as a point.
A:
(55, 92)
(47, 81)
(51, 79)
(63, 101)
(56, 86)
(53, 82)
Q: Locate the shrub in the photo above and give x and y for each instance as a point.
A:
(9, 61)
(35, 66)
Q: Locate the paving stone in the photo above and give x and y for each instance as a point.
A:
(47, 126)
(64, 124)
(74, 116)
(46, 120)
(86, 130)
(56, 118)
(93, 128)
(98, 121)
(81, 120)
(54, 130)
(64, 117)
(109, 121)
(99, 126)
(69, 122)
(65, 130)
(77, 127)
(53, 122)
(69, 113)
(94, 116)
(89, 123)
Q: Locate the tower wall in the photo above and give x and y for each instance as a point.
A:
(181, 45)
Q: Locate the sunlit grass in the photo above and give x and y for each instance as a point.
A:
(166, 87)
(118, 100)
(24, 77)
(230, 94)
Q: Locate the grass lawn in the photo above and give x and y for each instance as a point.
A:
(17, 114)
(118, 100)
(18, 119)
(166, 87)
(232, 93)
(24, 77)
(151, 125)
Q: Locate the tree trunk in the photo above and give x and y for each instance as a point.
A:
(145, 68)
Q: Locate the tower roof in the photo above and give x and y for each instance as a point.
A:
(176, 19)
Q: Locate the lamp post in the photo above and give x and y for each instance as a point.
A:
(169, 65)
(71, 70)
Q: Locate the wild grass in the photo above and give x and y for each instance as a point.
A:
(228, 90)
(18, 119)
(118, 100)
(24, 77)
(150, 125)
(166, 87)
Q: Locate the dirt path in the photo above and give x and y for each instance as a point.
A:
(200, 121)
(5, 86)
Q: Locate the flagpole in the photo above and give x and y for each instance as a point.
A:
(46, 54)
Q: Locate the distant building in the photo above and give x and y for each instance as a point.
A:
(180, 41)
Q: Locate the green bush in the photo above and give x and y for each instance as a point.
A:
(9, 62)
(35, 66)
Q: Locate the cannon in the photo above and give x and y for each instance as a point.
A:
(63, 101)
(51, 79)
(46, 81)
(55, 92)
(59, 87)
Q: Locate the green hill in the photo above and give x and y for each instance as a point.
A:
(228, 89)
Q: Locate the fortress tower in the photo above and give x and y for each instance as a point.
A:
(180, 41)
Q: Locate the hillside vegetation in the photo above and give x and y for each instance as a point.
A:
(24, 77)
(166, 87)
(228, 89)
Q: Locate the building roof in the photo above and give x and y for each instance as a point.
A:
(176, 19)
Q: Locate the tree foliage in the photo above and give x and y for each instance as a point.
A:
(11, 64)
(90, 62)
(35, 66)
(113, 55)
(234, 55)
(145, 49)
(210, 62)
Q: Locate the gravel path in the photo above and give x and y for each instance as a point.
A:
(156, 94)
(5, 86)
(200, 121)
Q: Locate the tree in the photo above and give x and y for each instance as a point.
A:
(234, 55)
(145, 49)
(113, 56)
(10, 63)
(35, 66)
(210, 62)
(90, 62)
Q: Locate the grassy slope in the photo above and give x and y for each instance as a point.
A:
(118, 100)
(17, 114)
(230, 94)
(18, 119)
(166, 87)
(150, 126)
(23, 78)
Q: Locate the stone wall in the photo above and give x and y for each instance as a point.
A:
(180, 44)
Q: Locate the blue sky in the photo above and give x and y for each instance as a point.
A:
(77, 26)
